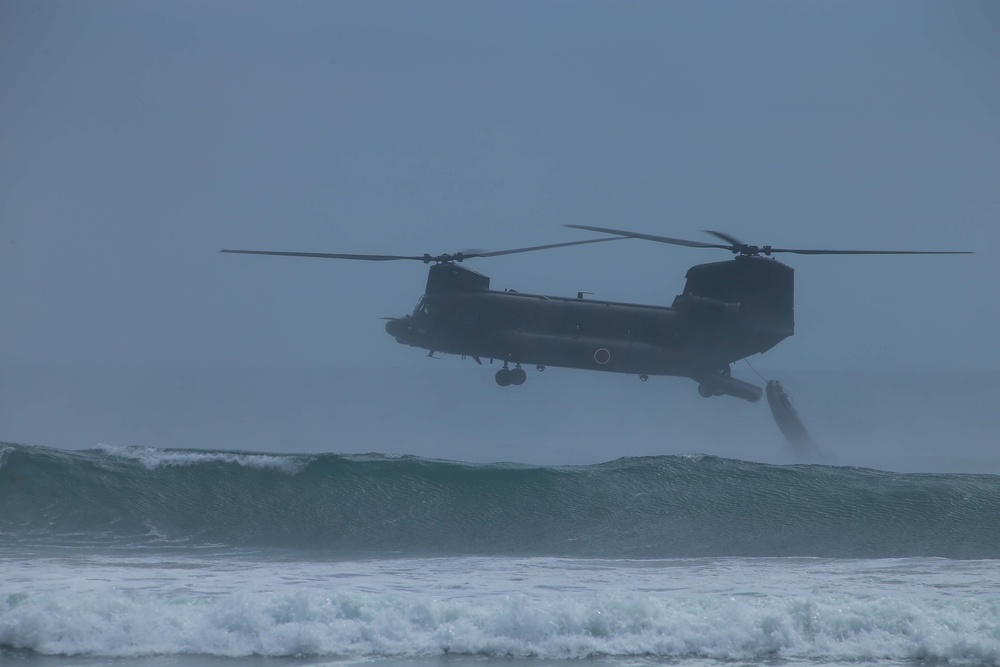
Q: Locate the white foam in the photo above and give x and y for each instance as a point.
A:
(152, 458)
(103, 618)
(357, 625)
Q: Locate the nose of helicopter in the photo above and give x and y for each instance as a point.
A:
(397, 328)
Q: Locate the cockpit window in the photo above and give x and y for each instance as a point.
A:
(423, 307)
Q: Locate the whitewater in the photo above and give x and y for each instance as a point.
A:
(131, 554)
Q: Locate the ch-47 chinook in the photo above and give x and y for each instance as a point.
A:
(728, 310)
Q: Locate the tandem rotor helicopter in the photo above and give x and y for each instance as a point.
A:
(728, 310)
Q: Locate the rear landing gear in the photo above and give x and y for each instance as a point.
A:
(511, 376)
(707, 392)
(721, 383)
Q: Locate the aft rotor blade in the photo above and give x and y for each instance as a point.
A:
(650, 237)
(735, 242)
(737, 246)
(870, 252)
(768, 250)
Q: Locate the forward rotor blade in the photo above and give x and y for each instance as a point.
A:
(456, 257)
(497, 253)
(328, 255)
(649, 237)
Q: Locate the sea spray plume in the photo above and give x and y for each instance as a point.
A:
(668, 506)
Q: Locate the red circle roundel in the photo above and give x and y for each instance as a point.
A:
(602, 356)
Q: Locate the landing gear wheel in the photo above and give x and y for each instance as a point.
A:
(518, 376)
(503, 377)
(702, 389)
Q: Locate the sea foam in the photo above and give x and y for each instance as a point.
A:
(151, 458)
(111, 623)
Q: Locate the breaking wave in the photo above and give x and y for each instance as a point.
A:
(823, 629)
(653, 507)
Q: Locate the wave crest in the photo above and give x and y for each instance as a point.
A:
(651, 507)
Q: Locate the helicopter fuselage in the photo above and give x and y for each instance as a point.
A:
(698, 337)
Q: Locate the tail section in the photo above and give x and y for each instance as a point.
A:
(757, 293)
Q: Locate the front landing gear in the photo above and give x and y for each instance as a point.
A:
(511, 376)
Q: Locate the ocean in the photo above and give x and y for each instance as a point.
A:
(414, 522)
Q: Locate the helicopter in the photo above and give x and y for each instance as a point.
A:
(729, 310)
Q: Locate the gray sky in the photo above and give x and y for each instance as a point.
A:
(136, 139)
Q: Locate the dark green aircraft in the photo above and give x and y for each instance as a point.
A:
(728, 311)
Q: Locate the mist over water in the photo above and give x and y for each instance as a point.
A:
(901, 421)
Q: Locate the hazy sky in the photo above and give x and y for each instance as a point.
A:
(138, 138)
